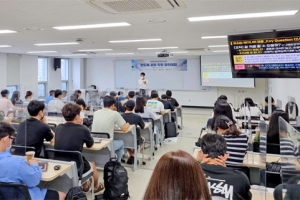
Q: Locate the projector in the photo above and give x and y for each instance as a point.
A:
(164, 54)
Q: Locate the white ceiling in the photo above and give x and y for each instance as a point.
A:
(178, 31)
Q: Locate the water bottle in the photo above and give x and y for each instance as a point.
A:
(249, 131)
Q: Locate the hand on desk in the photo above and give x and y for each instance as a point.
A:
(33, 161)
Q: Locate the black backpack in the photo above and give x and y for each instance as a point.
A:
(115, 180)
(76, 193)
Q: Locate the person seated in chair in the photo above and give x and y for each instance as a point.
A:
(33, 131)
(155, 104)
(71, 136)
(171, 99)
(56, 105)
(222, 181)
(133, 119)
(15, 169)
(167, 104)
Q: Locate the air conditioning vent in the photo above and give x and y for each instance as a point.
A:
(134, 6)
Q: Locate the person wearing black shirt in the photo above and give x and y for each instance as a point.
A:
(72, 135)
(167, 104)
(266, 105)
(34, 130)
(171, 99)
(118, 104)
(222, 181)
(133, 119)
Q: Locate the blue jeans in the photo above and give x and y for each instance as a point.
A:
(119, 148)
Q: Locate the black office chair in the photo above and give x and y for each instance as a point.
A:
(100, 135)
(20, 150)
(77, 158)
(14, 191)
(54, 114)
(241, 168)
(52, 126)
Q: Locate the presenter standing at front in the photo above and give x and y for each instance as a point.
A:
(143, 82)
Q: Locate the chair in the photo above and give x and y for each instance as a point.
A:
(54, 114)
(20, 150)
(241, 168)
(152, 122)
(9, 191)
(52, 126)
(100, 135)
(273, 148)
(77, 158)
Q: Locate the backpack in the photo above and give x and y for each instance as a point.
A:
(76, 193)
(115, 180)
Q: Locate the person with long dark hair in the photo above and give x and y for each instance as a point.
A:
(249, 109)
(15, 98)
(237, 142)
(177, 175)
(221, 108)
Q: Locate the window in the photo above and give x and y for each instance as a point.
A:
(42, 76)
(11, 89)
(64, 74)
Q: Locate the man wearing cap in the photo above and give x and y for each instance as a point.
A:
(118, 104)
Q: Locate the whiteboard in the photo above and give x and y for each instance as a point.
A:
(126, 78)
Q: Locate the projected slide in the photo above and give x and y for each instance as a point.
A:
(216, 71)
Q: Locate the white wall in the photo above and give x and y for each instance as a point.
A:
(77, 69)
(3, 70)
(29, 74)
(54, 77)
(282, 88)
(13, 69)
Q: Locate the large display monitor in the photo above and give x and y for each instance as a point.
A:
(265, 55)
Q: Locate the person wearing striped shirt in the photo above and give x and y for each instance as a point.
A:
(237, 143)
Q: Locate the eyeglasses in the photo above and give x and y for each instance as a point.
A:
(11, 137)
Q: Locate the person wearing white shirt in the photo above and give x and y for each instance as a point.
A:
(250, 111)
(143, 82)
(156, 105)
(5, 103)
(56, 104)
(82, 106)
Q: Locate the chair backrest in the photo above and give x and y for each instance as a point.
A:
(100, 135)
(241, 168)
(149, 120)
(21, 150)
(67, 156)
(52, 126)
(255, 118)
(273, 148)
(54, 114)
(9, 191)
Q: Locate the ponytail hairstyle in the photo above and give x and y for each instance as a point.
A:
(223, 122)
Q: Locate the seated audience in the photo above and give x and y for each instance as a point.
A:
(5, 103)
(272, 105)
(15, 98)
(177, 175)
(82, 106)
(133, 119)
(155, 104)
(130, 96)
(142, 110)
(64, 96)
(76, 95)
(167, 104)
(291, 108)
(56, 105)
(224, 97)
(28, 96)
(77, 135)
(221, 108)
(51, 96)
(15, 169)
(118, 104)
(105, 121)
(249, 109)
(237, 143)
(233, 184)
(171, 99)
(121, 96)
(7, 119)
(33, 131)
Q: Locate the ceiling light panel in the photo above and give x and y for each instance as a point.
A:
(41, 51)
(214, 46)
(7, 31)
(93, 50)
(141, 40)
(107, 25)
(53, 44)
(214, 37)
(4, 46)
(156, 48)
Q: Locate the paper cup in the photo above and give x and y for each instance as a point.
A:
(29, 155)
